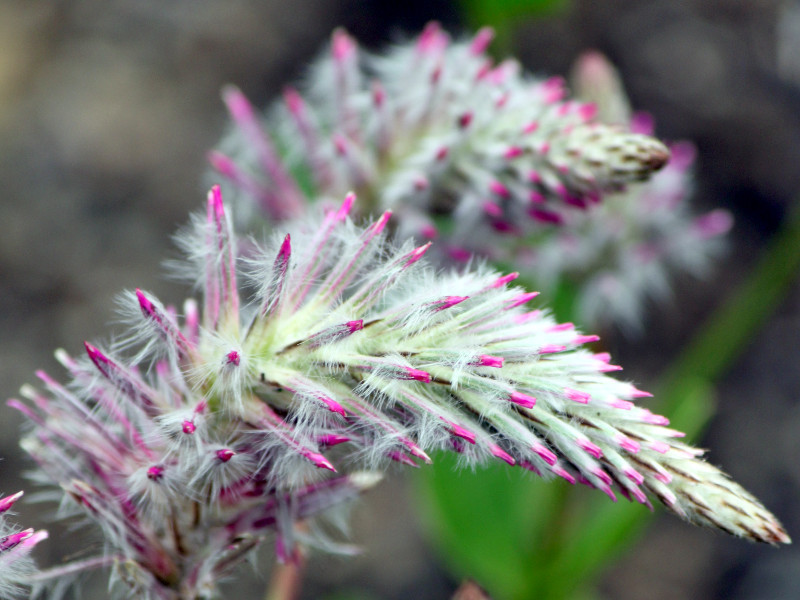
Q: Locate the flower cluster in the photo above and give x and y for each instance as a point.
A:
(15, 544)
(621, 252)
(431, 129)
(192, 438)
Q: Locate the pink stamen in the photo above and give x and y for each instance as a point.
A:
(501, 281)
(155, 473)
(523, 400)
(563, 473)
(492, 209)
(627, 443)
(332, 439)
(7, 502)
(465, 120)
(634, 476)
(590, 448)
(448, 301)
(402, 458)
(587, 112)
(521, 299)
(188, 427)
(545, 454)
(551, 348)
(499, 189)
(577, 395)
(658, 446)
(485, 360)
(530, 127)
(225, 454)
(545, 216)
(343, 47)
(233, 358)
(481, 41)
(498, 452)
(461, 432)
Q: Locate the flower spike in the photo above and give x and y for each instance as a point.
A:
(363, 357)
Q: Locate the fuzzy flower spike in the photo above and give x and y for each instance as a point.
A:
(625, 251)
(430, 128)
(16, 566)
(199, 435)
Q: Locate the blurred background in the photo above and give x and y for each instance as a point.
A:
(107, 108)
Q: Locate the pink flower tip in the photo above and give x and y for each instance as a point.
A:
(429, 231)
(577, 395)
(492, 209)
(15, 539)
(499, 189)
(98, 358)
(155, 472)
(546, 454)
(334, 406)
(319, 461)
(501, 281)
(416, 254)
(586, 339)
(551, 348)
(221, 163)
(512, 152)
(294, 101)
(464, 120)
(188, 427)
(521, 299)
(627, 443)
(332, 439)
(523, 400)
(643, 123)
(481, 41)
(449, 301)
(634, 476)
(591, 448)
(233, 358)
(502, 454)
(655, 419)
(343, 47)
(531, 128)
(713, 224)
(346, 206)
(7, 502)
(545, 216)
(354, 326)
(418, 375)
(286, 248)
(238, 105)
(464, 434)
(658, 446)
(225, 454)
(401, 458)
(564, 474)
(485, 360)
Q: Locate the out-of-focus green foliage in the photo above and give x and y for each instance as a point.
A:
(503, 15)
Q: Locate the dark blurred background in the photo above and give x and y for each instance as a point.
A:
(107, 108)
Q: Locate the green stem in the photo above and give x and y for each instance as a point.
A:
(725, 335)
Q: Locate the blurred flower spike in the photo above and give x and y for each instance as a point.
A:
(16, 567)
(625, 251)
(431, 129)
(193, 438)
